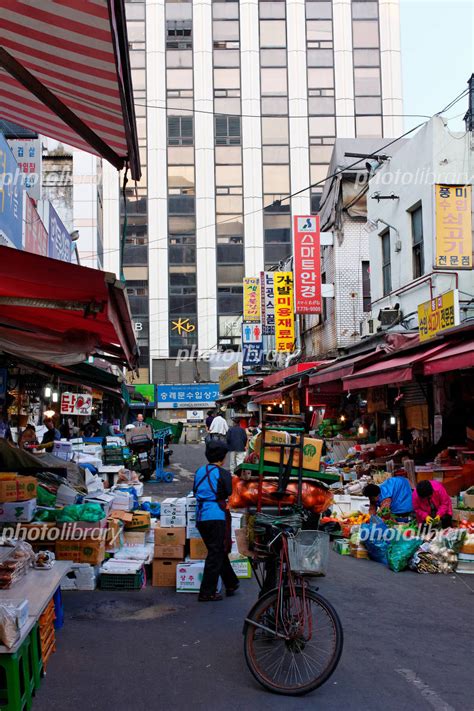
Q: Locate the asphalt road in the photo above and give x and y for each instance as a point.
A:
(408, 644)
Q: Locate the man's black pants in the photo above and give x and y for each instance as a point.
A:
(217, 561)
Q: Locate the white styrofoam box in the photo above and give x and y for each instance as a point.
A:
(172, 521)
(173, 507)
(20, 609)
(192, 532)
(66, 495)
(62, 450)
(191, 517)
(18, 511)
(236, 520)
(138, 486)
(341, 503)
(360, 503)
(82, 576)
(189, 576)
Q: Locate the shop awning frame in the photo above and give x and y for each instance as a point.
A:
(266, 398)
(458, 356)
(62, 307)
(84, 100)
(399, 368)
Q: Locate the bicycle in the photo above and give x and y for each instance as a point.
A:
(293, 637)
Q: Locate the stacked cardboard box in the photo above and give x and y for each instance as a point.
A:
(168, 551)
(173, 513)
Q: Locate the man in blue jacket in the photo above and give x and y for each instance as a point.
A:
(212, 487)
(394, 493)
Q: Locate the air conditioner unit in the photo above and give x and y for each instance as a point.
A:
(388, 317)
(369, 327)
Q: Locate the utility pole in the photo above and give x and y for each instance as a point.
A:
(469, 117)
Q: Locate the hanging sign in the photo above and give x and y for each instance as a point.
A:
(252, 344)
(251, 299)
(307, 264)
(76, 404)
(284, 314)
(438, 314)
(453, 226)
(267, 295)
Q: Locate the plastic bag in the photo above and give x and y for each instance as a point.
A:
(372, 535)
(80, 512)
(399, 553)
(45, 497)
(9, 632)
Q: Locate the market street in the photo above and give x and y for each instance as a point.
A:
(406, 644)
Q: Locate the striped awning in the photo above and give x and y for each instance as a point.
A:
(65, 73)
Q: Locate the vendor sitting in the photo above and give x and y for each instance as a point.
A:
(432, 504)
(394, 494)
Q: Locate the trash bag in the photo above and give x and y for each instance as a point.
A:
(80, 512)
(46, 515)
(45, 497)
(372, 535)
(400, 552)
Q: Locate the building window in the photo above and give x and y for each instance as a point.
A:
(180, 130)
(417, 237)
(386, 263)
(227, 130)
(179, 34)
(366, 299)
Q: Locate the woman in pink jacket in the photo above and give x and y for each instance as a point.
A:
(432, 504)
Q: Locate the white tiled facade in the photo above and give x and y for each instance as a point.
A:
(295, 74)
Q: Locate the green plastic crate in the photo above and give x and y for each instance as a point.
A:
(126, 581)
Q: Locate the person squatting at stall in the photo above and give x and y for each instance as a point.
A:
(432, 504)
(393, 493)
(212, 487)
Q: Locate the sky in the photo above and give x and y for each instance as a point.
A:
(437, 56)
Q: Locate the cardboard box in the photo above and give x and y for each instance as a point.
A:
(241, 567)
(170, 536)
(124, 516)
(172, 506)
(114, 538)
(463, 515)
(17, 511)
(341, 547)
(40, 531)
(164, 573)
(173, 552)
(141, 521)
(468, 500)
(311, 449)
(192, 532)
(197, 549)
(16, 488)
(85, 551)
(173, 521)
(134, 538)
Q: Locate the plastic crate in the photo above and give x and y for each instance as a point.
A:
(113, 455)
(118, 581)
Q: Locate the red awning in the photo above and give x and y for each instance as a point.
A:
(65, 73)
(272, 395)
(397, 369)
(55, 312)
(341, 369)
(456, 357)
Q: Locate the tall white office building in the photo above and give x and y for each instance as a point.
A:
(238, 105)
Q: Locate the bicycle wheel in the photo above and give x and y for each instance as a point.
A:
(308, 650)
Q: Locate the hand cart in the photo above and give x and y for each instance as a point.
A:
(160, 475)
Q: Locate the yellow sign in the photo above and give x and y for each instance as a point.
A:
(251, 299)
(230, 377)
(438, 314)
(284, 312)
(453, 226)
(183, 325)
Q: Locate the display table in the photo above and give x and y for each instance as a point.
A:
(38, 587)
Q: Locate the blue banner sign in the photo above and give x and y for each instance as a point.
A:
(59, 246)
(11, 198)
(187, 396)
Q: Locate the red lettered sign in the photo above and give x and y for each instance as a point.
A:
(307, 264)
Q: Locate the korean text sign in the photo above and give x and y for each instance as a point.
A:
(307, 251)
(251, 299)
(438, 314)
(11, 198)
(268, 303)
(36, 237)
(453, 226)
(284, 314)
(59, 238)
(187, 396)
(76, 404)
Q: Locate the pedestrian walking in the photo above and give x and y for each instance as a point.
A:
(236, 443)
(212, 487)
(209, 418)
(218, 429)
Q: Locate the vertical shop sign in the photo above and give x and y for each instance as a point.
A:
(11, 198)
(307, 261)
(268, 303)
(453, 226)
(251, 299)
(284, 314)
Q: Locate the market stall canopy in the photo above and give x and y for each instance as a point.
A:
(60, 313)
(271, 395)
(456, 357)
(65, 72)
(341, 369)
(397, 369)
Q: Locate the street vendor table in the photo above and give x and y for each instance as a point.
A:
(38, 587)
